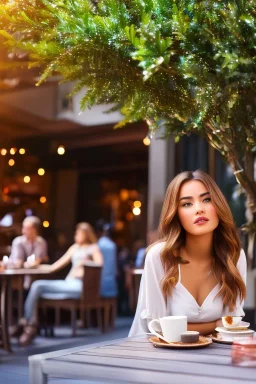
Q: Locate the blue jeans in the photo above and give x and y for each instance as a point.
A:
(69, 288)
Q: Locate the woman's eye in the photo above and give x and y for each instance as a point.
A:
(207, 199)
(186, 204)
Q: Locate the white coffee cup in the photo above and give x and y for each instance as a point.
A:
(171, 327)
(231, 321)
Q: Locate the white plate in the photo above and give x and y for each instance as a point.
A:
(242, 326)
(232, 334)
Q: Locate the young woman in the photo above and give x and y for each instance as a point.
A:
(85, 248)
(196, 267)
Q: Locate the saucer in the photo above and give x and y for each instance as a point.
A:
(218, 338)
(234, 332)
(228, 335)
(202, 342)
(242, 326)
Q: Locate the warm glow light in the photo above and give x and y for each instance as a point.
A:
(3, 152)
(124, 194)
(13, 151)
(26, 179)
(119, 225)
(134, 194)
(22, 151)
(11, 162)
(46, 224)
(129, 216)
(41, 171)
(137, 203)
(6, 190)
(43, 199)
(61, 150)
(136, 211)
(146, 141)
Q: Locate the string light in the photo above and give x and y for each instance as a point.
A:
(11, 162)
(22, 151)
(136, 211)
(146, 141)
(43, 199)
(3, 151)
(137, 203)
(61, 150)
(41, 171)
(46, 224)
(26, 179)
(13, 151)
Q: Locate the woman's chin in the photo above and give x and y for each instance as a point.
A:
(200, 231)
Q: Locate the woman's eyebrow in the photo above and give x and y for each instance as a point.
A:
(191, 197)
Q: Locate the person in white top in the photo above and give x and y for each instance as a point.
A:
(196, 267)
(84, 251)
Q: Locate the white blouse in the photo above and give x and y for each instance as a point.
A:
(152, 305)
(80, 253)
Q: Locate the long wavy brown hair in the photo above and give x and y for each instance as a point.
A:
(88, 231)
(226, 243)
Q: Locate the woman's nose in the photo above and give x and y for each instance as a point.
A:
(199, 208)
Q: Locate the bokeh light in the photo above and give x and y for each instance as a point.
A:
(61, 150)
(41, 171)
(26, 179)
(11, 162)
(43, 199)
(136, 211)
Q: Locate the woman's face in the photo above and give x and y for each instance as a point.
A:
(195, 210)
(80, 237)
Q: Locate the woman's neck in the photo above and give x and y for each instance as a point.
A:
(199, 247)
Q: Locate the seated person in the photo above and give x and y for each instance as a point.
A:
(109, 252)
(29, 245)
(196, 268)
(85, 249)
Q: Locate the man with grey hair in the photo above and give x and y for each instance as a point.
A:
(30, 249)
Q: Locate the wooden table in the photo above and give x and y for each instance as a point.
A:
(6, 277)
(136, 360)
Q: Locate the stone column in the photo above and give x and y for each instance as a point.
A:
(161, 171)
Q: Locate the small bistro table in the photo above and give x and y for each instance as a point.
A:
(136, 360)
(6, 278)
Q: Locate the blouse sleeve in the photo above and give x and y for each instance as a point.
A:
(242, 268)
(151, 302)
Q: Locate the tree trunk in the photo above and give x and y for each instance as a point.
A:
(245, 177)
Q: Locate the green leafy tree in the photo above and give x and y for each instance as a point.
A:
(190, 65)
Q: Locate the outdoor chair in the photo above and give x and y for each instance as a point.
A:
(90, 300)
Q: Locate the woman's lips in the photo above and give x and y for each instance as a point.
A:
(201, 220)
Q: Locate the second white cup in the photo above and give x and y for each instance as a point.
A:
(171, 327)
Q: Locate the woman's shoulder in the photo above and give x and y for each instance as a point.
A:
(93, 247)
(242, 259)
(155, 251)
